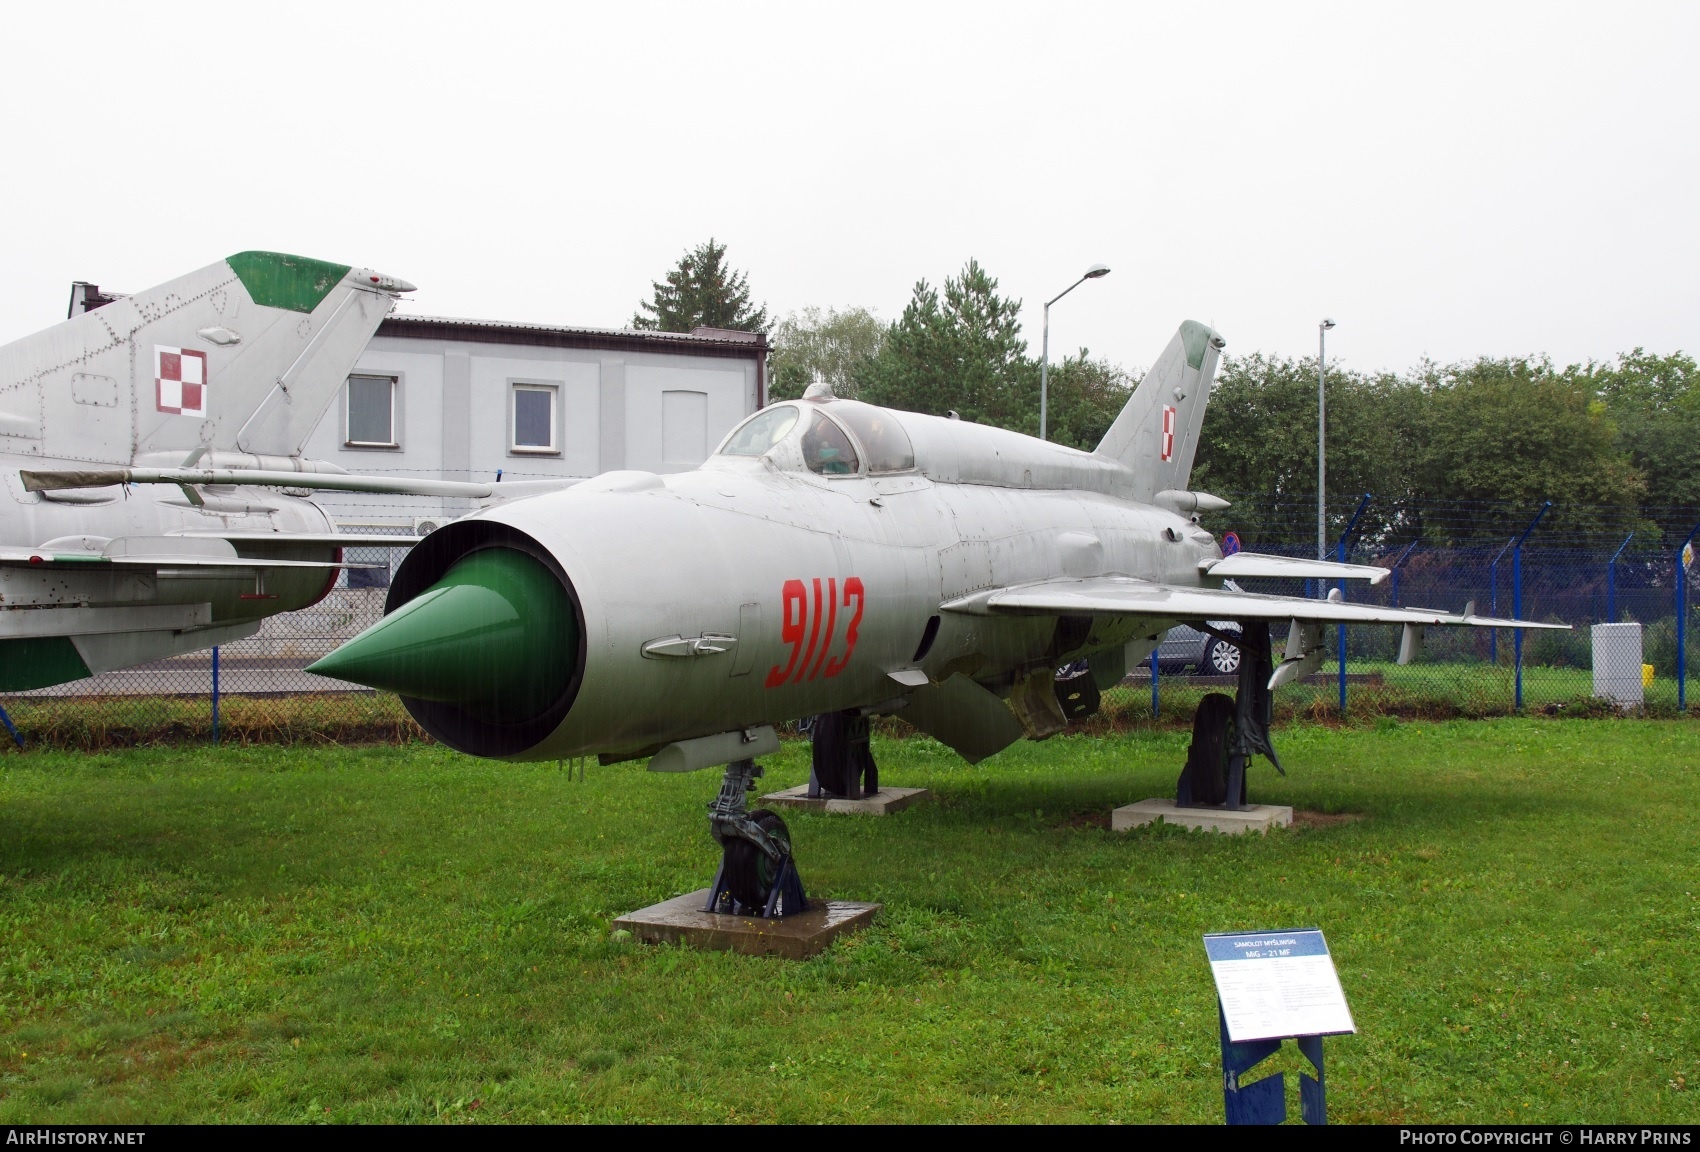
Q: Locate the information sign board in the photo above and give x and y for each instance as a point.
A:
(1277, 984)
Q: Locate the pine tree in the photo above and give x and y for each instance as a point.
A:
(702, 291)
(962, 351)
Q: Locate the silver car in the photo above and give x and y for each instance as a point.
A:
(1186, 647)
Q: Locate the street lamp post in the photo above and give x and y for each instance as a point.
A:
(1097, 271)
(1322, 440)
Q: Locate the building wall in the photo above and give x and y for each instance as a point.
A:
(654, 411)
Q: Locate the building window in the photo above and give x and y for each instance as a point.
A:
(534, 418)
(371, 412)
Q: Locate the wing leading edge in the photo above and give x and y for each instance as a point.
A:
(1126, 596)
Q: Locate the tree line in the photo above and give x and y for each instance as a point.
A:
(1455, 453)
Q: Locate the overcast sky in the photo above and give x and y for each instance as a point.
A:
(1444, 180)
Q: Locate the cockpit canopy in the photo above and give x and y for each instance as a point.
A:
(833, 438)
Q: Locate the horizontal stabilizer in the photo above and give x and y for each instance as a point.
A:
(158, 552)
(79, 621)
(1242, 565)
(1126, 596)
(335, 539)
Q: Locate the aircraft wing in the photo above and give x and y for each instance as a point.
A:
(57, 480)
(1126, 596)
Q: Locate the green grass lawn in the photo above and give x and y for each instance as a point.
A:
(1432, 691)
(401, 933)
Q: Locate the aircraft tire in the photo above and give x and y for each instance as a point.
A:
(839, 754)
(1212, 738)
(750, 872)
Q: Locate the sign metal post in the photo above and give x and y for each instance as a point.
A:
(1272, 987)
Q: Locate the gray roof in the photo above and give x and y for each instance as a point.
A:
(702, 342)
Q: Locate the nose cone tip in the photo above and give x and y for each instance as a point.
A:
(333, 663)
(496, 636)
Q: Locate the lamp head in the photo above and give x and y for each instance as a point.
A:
(1327, 324)
(1096, 271)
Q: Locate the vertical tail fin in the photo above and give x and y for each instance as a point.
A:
(245, 354)
(1156, 434)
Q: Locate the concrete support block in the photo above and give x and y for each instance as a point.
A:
(1257, 818)
(881, 803)
(681, 920)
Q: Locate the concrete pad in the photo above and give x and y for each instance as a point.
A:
(881, 803)
(682, 920)
(1256, 818)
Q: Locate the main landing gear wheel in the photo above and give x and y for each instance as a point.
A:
(1213, 737)
(750, 873)
(840, 762)
(1228, 730)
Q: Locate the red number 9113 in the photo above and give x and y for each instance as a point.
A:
(801, 628)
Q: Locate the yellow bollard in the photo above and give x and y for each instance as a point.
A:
(1646, 675)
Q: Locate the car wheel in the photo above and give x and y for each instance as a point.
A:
(1223, 659)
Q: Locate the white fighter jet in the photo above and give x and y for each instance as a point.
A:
(836, 560)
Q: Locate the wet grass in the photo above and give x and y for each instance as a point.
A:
(400, 933)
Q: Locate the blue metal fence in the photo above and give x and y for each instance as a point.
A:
(1524, 568)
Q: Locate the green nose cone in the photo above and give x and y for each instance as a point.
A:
(496, 636)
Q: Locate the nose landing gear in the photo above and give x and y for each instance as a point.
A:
(757, 874)
(1227, 732)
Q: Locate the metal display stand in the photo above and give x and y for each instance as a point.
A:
(734, 826)
(786, 899)
(1265, 1101)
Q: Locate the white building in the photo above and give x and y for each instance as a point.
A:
(448, 399)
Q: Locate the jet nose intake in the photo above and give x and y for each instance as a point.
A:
(496, 637)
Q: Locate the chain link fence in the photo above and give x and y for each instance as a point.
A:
(253, 690)
(258, 689)
(1582, 577)
(1469, 672)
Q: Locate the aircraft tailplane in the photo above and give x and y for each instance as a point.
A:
(244, 355)
(1156, 434)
